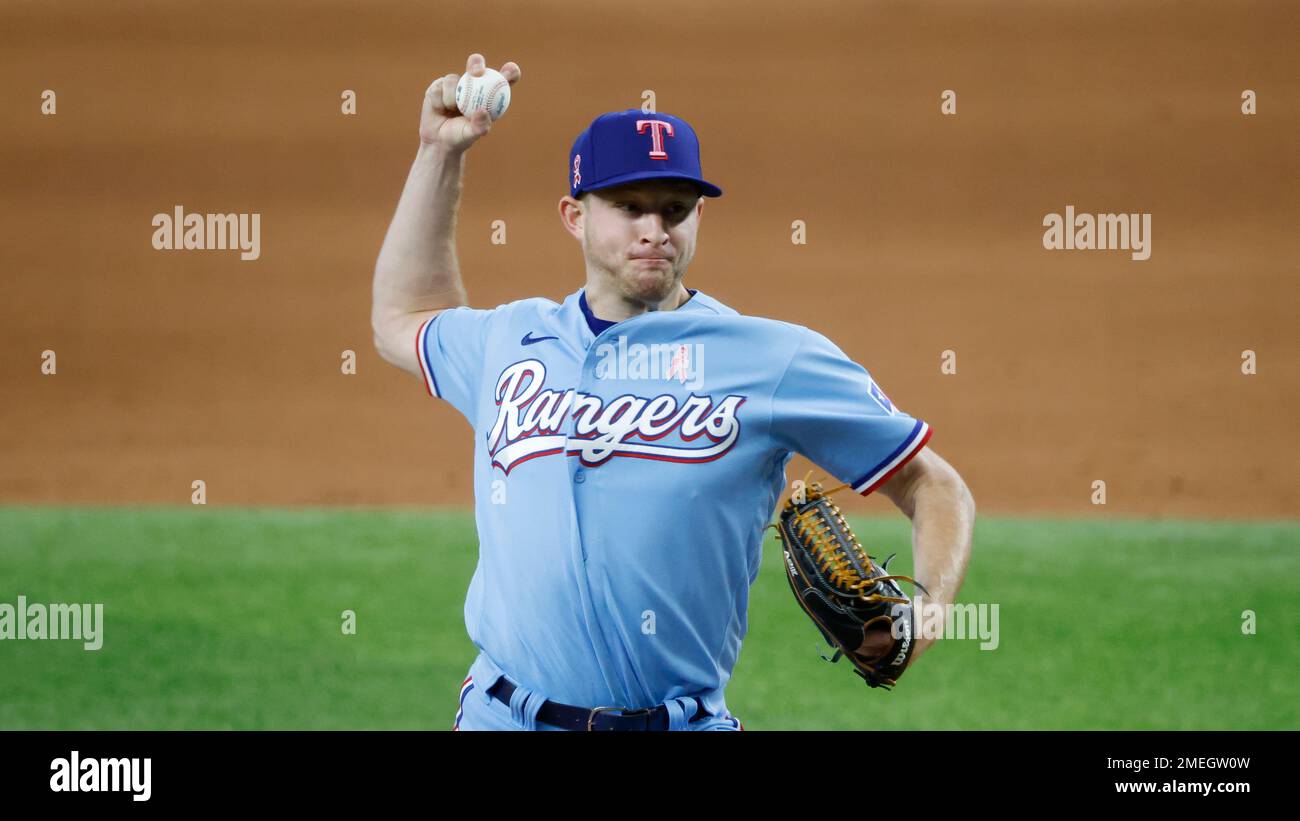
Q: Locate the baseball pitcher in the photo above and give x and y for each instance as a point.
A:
(640, 431)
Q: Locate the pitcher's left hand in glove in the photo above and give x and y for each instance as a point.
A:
(851, 599)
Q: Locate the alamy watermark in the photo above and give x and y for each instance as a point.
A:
(77, 774)
(179, 231)
(1098, 232)
(75, 622)
(682, 362)
(950, 621)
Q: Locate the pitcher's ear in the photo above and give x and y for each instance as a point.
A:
(572, 213)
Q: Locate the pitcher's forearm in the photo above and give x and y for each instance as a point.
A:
(942, 530)
(417, 268)
(943, 524)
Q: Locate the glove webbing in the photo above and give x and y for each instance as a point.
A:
(817, 530)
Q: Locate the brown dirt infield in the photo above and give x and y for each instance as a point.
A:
(924, 232)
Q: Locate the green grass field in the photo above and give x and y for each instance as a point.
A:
(231, 620)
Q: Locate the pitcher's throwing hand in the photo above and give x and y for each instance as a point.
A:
(442, 124)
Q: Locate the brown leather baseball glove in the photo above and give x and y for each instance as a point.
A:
(851, 598)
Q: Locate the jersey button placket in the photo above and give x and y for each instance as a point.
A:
(577, 474)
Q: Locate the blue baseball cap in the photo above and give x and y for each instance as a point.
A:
(625, 146)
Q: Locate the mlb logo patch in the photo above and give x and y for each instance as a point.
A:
(879, 395)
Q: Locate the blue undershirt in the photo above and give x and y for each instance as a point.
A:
(594, 322)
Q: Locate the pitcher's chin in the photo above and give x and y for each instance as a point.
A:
(649, 282)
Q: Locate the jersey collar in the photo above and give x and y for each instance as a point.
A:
(598, 325)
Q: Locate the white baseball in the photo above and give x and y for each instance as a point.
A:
(490, 91)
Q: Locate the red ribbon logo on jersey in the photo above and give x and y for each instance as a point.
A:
(680, 364)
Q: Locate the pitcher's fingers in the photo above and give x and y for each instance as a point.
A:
(470, 128)
(449, 92)
(433, 95)
(511, 72)
(475, 64)
(480, 123)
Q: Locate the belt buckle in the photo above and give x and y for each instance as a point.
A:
(591, 717)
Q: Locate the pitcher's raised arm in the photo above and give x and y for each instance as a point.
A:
(417, 274)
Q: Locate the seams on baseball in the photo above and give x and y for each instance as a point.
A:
(490, 91)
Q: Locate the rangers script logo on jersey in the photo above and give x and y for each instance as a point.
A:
(530, 423)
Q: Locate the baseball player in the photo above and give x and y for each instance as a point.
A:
(630, 441)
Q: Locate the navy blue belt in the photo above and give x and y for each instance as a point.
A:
(568, 717)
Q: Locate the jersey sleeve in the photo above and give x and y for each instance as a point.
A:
(828, 408)
(451, 347)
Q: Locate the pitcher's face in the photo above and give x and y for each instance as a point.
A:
(641, 236)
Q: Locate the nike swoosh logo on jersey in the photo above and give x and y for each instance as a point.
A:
(529, 339)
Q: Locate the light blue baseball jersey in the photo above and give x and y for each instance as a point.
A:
(623, 480)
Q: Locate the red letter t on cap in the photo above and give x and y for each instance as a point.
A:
(657, 128)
